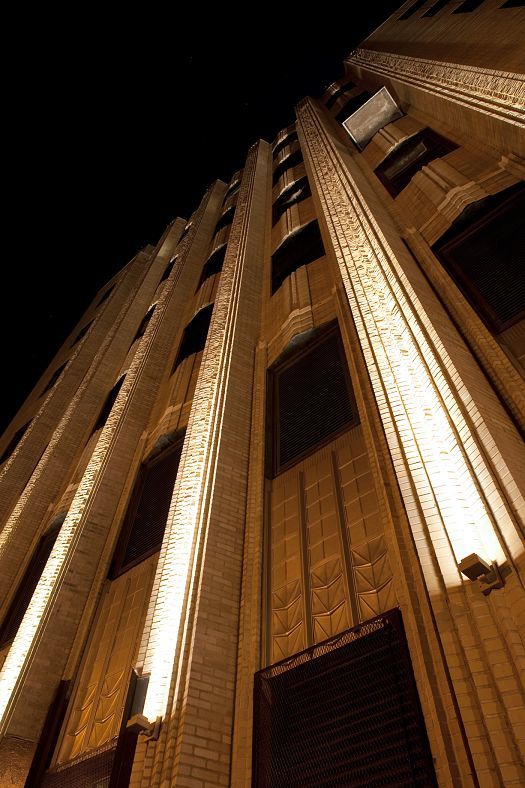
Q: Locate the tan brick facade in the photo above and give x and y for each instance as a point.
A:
(256, 566)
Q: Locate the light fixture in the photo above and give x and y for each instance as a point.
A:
(488, 575)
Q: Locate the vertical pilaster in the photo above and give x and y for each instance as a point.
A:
(40, 650)
(446, 462)
(192, 650)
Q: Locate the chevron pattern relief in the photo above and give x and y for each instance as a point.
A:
(329, 566)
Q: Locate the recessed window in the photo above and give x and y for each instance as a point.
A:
(185, 231)
(292, 137)
(484, 252)
(352, 105)
(82, 333)
(225, 219)
(106, 295)
(234, 188)
(144, 324)
(296, 192)
(400, 166)
(339, 92)
(29, 582)
(436, 8)
(13, 443)
(310, 400)
(145, 521)
(213, 264)
(345, 712)
(513, 4)
(108, 405)
(468, 5)
(290, 161)
(194, 336)
(301, 247)
(54, 377)
(413, 9)
(168, 269)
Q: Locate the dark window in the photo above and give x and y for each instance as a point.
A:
(301, 247)
(141, 330)
(310, 401)
(225, 219)
(345, 712)
(400, 166)
(234, 187)
(352, 105)
(513, 4)
(292, 137)
(27, 586)
(106, 295)
(13, 443)
(54, 377)
(484, 252)
(412, 9)
(213, 264)
(108, 405)
(145, 521)
(296, 192)
(436, 8)
(339, 92)
(468, 5)
(292, 160)
(185, 232)
(194, 336)
(82, 333)
(167, 271)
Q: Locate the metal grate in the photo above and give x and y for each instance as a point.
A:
(312, 399)
(342, 713)
(90, 771)
(146, 521)
(484, 251)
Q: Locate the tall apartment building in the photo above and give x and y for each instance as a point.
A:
(263, 515)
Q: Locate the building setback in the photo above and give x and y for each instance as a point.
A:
(262, 518)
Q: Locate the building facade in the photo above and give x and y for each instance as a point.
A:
(262, 518)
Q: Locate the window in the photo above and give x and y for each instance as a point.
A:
(27, 586)
(436, 8)
(13, 443)
(213, 264)
(344, 712)
(225, 219)
(468, 5)
(310, 400)
(301, 247)
(292, 137)
(297, 191)
(194, 335)
(82, 333)
(106, 295)
(400, 166)
(54, 377)
(484, 252)
(339, 92)
(141, 330)
(232, 188)
(292, 160)
(412, 9)
(513, 4)
(108, 405)
(168, 269)
(145, 521)
(352, 105)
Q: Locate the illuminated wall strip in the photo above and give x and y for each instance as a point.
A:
(424, 425)
(20, 655)
(178, 567)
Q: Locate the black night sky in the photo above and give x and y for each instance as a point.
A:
(115, 126)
